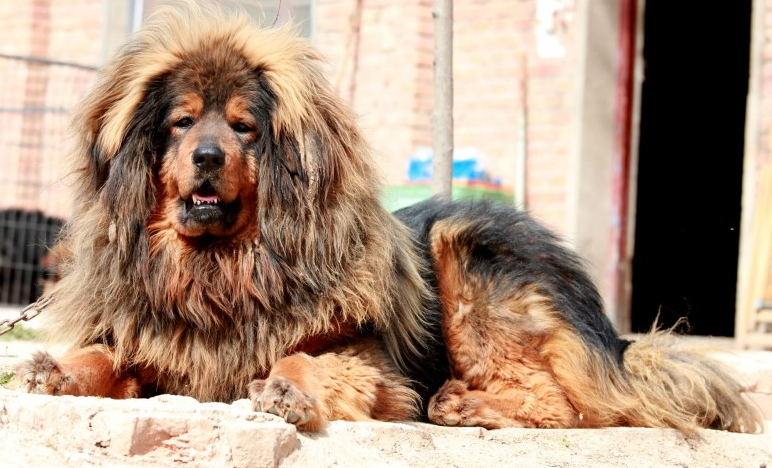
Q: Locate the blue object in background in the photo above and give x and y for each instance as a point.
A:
(467, 167)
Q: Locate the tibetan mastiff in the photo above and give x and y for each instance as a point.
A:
(228, 242)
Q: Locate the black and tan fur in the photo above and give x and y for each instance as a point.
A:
(529, 345)
(291, 285)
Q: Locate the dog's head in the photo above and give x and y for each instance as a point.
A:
(208, 127)
(216, 125)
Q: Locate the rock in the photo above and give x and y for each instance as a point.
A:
(171, 431)
(39, 431)
(162, 431)
(256, 444)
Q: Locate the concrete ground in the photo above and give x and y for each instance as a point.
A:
(41, 431)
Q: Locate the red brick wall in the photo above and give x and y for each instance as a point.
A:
(36, 96)
(380, 57)
(76, 31)
(493, 41)
(378, 52)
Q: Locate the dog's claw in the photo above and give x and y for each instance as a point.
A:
(280, 397)
(292, 417)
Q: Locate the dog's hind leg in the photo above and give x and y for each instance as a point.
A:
(495, 331)
(502, 377)
(88, 371)
(355, 383)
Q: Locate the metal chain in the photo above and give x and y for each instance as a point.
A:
(27, 313)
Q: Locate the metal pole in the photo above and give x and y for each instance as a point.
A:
(442, 111)
(521, 149)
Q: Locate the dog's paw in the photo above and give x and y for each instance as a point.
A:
(42, 374)
(455, 405)
(281, 397)
(449, 407)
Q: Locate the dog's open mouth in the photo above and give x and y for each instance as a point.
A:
(206, 208)
(204, 199)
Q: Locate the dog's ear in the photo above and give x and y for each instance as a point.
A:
(279, 156)
(128, 189)
(126, 175)
(316, 150)
(123, 104)
(287, 187)
(117, 161)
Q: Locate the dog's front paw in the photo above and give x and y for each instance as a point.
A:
(449, 407)
(281, 397)
(42, 374)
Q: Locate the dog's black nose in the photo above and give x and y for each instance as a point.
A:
(208, 157)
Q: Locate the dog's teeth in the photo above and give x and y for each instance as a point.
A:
(198, 201)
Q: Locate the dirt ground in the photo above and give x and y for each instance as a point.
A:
(170, 431)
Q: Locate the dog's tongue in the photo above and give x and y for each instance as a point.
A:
(206, 198)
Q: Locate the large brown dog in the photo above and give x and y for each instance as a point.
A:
(228, 241)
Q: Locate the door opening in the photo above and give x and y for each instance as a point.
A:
(690, 165)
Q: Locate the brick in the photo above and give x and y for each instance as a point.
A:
(182, 437)
(259, 444)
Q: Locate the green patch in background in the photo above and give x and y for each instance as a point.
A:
(20, 332)
(5, 377)
(399, 196)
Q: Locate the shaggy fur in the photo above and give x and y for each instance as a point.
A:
(228, 242)
(310, 252)
(529, 344)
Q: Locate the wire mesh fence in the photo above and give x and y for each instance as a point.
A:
(36, 97)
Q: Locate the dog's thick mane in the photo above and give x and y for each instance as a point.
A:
(321, 254)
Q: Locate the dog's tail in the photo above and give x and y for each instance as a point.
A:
(673, 385)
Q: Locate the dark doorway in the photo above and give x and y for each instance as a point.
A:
(690, 164)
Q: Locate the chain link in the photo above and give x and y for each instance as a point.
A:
(27, 313)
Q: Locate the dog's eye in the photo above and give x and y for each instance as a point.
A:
(184, 122)
(241, 127)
